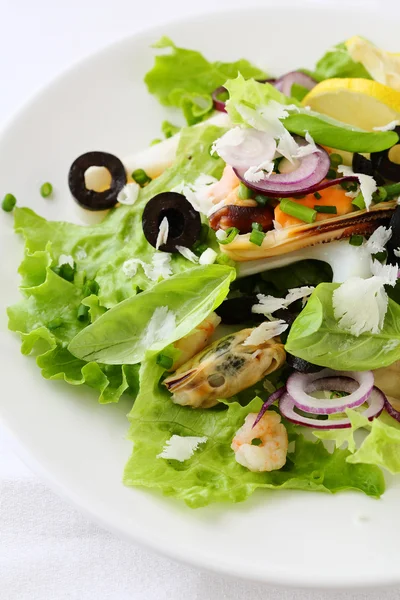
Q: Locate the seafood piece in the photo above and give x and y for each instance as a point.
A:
(270, 455)
(224, 369)
(196, 340)
(296, 237)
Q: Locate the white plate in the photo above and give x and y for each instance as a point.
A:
(288, 538)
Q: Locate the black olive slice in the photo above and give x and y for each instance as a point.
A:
(89, 198)
(300, 365)
(234, 311)
(394, 242)
(362, 165)
(183, 220)
(384, 166)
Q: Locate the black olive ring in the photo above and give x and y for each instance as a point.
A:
(89, 198)
(382, 163)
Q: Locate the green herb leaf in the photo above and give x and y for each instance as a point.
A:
(338, 63)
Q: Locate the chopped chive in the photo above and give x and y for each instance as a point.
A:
(200, 248)
(380, 256)
(331, 174)
(9, 202)
(356, 240)
(55, 323)
(165, 361)
(359, 201)
(380, 195)
(299, 196)
(335, 159)
(317, 196)
(65, 271)
(256, 227)
(155, 141)
(304, 213)
(256, 236)
(46, 190)
(244, 192)
(231, 233)
(331, 210)
(90, 287)
(141, 177)
(349, 186)
(261, 200)
(392, 190)
(83, 313)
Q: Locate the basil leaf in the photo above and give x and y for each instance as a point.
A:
(316, 337)
(119, 336)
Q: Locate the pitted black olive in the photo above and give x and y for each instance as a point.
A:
(300, 365)
(384, 166)
(89, 198)
(183, 221)
(362, 165)
(234, 311)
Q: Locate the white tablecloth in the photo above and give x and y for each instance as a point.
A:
(48, 551)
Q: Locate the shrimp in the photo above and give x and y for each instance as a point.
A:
(227, 189)
(196, 340)
(270, 455)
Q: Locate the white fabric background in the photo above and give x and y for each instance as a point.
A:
(48, 551)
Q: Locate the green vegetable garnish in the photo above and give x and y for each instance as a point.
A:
(231, 233)
(164, 361)
(262, 200)
(244, 192)
(9, 202)
(257, 237)
(356, 240)
(317, 195)
(141, 177)
(83, 313)
(331, 174)
(332, 210)
(359, 201)
(335, 160)
(46, 190)
(304, 213)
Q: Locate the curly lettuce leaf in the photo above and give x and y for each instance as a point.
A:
(316, 337)
(337, 62)
(186, 79)
(212, 473)
(47, 316)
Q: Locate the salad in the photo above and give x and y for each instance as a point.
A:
(243, 285)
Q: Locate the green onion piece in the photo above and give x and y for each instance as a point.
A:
(165, 361)
(65, 271)
(380, 256)
(244, 192)
(299, 196)
(256, 236)
(380, 195)
(356, 240)
(231, 233)
(359, 201)
(141, 177)
(169, 129)
(331, 210)
(155, 141)
(55, 323)
(223, 259)
(331, 174)
(256, 226)
(83, 313)
(46, 190)
(392, 190)
(336, 160)
(261, 200)
(9, 202)
(304, 213)
(90, 287)
(200, 248)
(317, 196)
(277, 161)
(349, 186)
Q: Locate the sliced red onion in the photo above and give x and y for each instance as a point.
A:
(376, 401)
(390, 410)
(244, 148)
(219, 104)
(299, 384)
(284, 83)
(275, 396)
(311, 171)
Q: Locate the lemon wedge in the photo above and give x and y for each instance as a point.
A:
(359, 102)
(383, 66)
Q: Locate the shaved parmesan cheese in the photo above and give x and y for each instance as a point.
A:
(269, 304)
(379, 239)
(221, 235)
(388, 126)
(244, 147)
(262, 171)
(307, 149)
(265, 332)
(160, 267)
(130, 267)
(367, 183)
(129, 193)
(181, 447)
(360, 305)
(163, 231)
(66, 259)
(208, 257)
(396, 252)
(232, 138)
(161, 326)
(187, 254)
(198, 193)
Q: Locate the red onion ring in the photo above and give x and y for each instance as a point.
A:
(219, 104)
(311, 171)
(274, 396)
(376, 401)
(391, 410)
(298, 384)
(284, 83)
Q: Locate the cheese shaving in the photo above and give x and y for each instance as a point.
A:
(262, 171)
(180, 447)
(367, 183)
(307, 149)
(379, 239)
(360, 305)
(160, 267)
(163, 231)
(264, 332)
(160, 327)
(198, 193)
(208, 257)
(129, 193)
(269, 304)
(188, 254)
